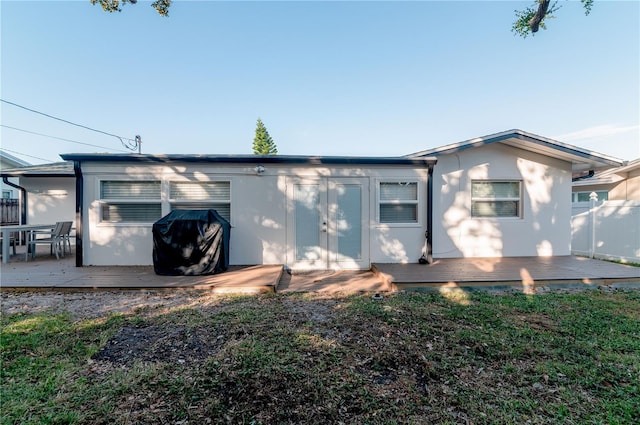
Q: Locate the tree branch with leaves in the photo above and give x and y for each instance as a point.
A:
(528, 21)
(534, 17)
(161, 6)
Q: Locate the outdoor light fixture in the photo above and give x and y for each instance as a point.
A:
(259, 169)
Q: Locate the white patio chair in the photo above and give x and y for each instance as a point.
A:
(54, 241)
(65, 236)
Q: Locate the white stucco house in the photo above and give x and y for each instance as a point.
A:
(501, 195)
(7, 186)
(47, 191)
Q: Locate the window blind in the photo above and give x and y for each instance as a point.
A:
(219, 191)
(396, 191)
(131, 212)
(114, 189)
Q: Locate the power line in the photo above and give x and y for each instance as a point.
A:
(60, 138)
(131, 144)
(30, 156)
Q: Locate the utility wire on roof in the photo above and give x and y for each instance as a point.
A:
(30, 156)
(131, 144)
(60, 138)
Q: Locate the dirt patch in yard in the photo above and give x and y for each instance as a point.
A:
(94, 304)
(155, 343)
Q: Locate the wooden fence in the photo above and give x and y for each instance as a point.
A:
(9, 211)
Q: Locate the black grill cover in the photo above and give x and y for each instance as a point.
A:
(191, 242)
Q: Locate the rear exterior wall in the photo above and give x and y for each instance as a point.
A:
(260, 211)
(543, 227)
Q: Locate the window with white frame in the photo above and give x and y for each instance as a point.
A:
(496, 198)
(603, 195)
(398, 202)
(127, 201)
(201, 195)
(6, 194)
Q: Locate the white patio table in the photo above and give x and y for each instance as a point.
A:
(6, 233)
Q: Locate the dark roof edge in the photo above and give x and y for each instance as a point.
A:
(249, 159)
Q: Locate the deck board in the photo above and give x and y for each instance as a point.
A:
(507, 271)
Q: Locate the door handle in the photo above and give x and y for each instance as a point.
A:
(324, 226)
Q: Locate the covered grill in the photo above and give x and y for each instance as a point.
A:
(191, 242)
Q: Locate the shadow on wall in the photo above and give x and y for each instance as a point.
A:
(533, 233)
(472, 237)
(392, 247)
(50, 199)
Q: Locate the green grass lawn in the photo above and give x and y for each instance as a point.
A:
(418, 358)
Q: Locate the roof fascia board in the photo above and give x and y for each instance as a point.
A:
(526, 137)
(626, 168)
(55, 169)
(462, 146)
(25, 175)
(5, 156)
(253, 159)
(570, 149)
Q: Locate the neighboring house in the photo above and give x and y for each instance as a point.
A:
(616, 184)
(9, 161)
(48, 191)
(610, 227)
(495, 196)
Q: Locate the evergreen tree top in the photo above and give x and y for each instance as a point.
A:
(263, 144)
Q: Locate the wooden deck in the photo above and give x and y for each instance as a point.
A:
(526, 273)
(239, 279)
(47, 273)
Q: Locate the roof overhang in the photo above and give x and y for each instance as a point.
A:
(250, 159)
(55, 169)
(594, 181)
(611, 176)
(580, 159)
(13, 161)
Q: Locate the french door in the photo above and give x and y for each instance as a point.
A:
(328, 223)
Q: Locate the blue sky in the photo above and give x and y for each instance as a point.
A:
(326, 78)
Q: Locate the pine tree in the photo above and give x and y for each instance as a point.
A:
(263, 143)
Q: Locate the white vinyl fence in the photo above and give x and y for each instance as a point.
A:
(606, 229)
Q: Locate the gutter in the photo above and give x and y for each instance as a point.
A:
(77, 168)
(429, 233)
(23, 207)
(427, 256)
(585, 176)
(248, 159)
